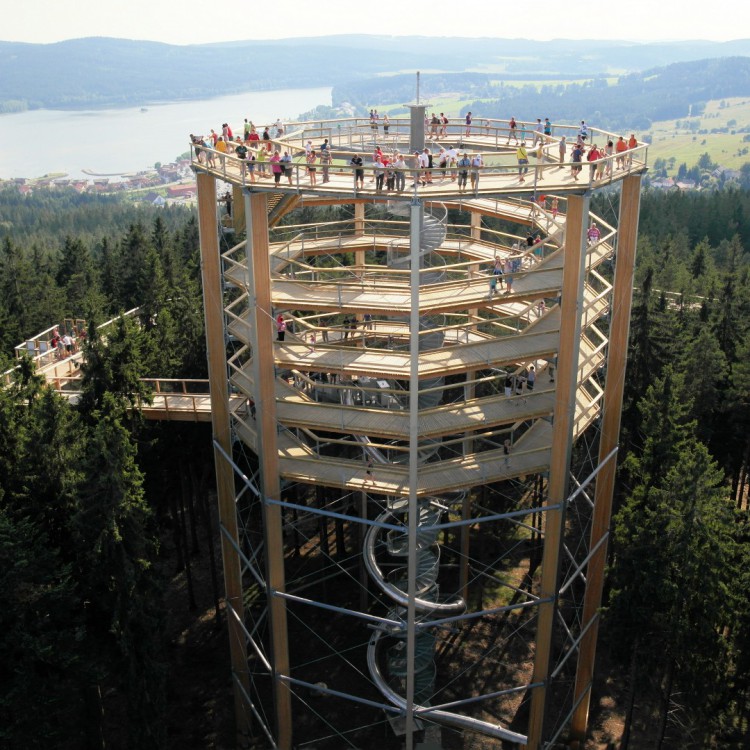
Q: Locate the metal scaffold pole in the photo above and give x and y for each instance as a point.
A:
(415, 229)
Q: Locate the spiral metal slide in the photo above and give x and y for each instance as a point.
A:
(389, 669)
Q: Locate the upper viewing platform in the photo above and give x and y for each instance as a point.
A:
(419, 155)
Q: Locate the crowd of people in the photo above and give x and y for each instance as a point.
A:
(261, 156)
(67, 343)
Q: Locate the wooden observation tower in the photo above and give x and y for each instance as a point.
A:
(411, 555)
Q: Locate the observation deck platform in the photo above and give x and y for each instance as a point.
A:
(499, 176)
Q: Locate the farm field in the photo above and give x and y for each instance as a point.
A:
(681, 141)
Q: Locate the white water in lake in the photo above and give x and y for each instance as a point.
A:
(113, 141)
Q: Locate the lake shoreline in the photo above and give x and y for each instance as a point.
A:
(127, 140)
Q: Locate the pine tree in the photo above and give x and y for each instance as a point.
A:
(113, 366)
(117, 547)
(673, 563)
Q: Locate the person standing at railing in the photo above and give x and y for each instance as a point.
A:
(609, 151)
(464, 163)
(260, 159)
(547, 129)
(512, 131)
(434, 125)
(496, 275)
(539, 168)
(276, 167)
(507, 274)
(594, 234)
(577, 158)
(286, 163)
(620, 148)
(280, 327)
(241, 153)
(476, 165)
(379, 170)
(419, 162)
(442, 160)
(451, 158)
(359, 172)
(312, 160)
(592, 159)
(523, 162)
(468, 123)
(443, 125)
(538, 132)
(583, 131)
(530, 378)
(399, 167)
(562, 148)
(325, 163)
(428, 164)
(386, 125)
(632, 144)
(221, 147)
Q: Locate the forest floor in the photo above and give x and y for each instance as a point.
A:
(200, 703)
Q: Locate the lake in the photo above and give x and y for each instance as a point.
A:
(113, 141)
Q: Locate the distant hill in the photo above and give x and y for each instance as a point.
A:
(98, 72)
(632, 101)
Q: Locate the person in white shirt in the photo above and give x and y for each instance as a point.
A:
(476, 165)
(538, 132)
(424, 164)
(399, 166)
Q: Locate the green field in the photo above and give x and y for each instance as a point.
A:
(685, 145)
(672, 139)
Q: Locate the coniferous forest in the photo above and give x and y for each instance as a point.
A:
(99, 510)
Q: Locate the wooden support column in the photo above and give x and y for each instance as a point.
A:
(571, 310)
(359, 219)
(264, 375)
(238, 208)
(476, 225)
(622, 297)
(213, 308)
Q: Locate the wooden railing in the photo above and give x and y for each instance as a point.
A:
(355, 135)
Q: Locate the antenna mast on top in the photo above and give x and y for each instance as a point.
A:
(417, 87)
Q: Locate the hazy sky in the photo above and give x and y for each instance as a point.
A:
(198, 21)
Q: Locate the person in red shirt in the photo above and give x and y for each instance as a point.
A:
(620, 148)
(632, 143)
(592, 158)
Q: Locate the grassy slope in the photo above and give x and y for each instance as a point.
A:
(683, 144)
(686, 146)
